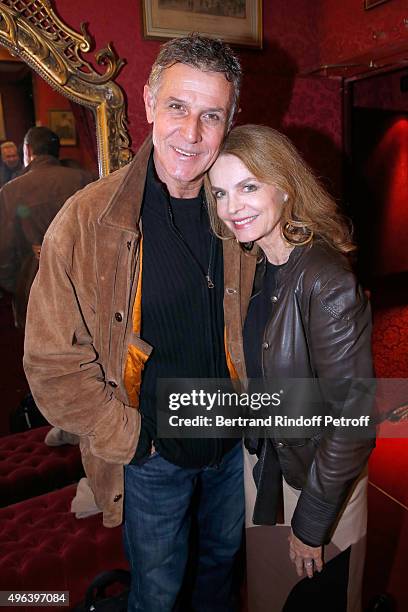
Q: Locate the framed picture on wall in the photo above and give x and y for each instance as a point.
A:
(62, 122)
(3, 135)
(369, 4)
(235, 21)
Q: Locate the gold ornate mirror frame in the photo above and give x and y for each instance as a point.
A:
(31, 30)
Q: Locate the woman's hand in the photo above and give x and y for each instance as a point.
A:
(307, 558)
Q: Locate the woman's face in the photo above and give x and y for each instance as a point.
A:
(250, 208)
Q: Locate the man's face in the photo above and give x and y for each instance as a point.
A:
(10, 158)
(189, 112)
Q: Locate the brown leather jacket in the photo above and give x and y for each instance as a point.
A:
(27, 206)
(320, 327)
(79, 324)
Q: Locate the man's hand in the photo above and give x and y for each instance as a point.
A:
(306, 558)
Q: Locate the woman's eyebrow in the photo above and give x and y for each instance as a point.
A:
(246, 180)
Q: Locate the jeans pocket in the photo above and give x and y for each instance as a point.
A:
(143, 460)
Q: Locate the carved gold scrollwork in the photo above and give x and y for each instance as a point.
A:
(31, 30)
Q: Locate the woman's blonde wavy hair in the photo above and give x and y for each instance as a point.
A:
(309, 212)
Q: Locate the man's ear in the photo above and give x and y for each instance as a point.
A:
(28, 154)
(149, 102)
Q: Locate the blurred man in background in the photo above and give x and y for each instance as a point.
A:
(27, 206)
(11, 165)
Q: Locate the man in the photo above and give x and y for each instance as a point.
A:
(107, 304)
(27, 206)
(11, 165)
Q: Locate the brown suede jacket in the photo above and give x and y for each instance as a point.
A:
(80, 327)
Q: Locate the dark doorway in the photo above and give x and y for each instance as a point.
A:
(377, 179)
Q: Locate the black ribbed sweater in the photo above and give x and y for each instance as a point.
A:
(181, 317)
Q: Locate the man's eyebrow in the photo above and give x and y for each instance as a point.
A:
(219, 109)
(206, 110)
(178, 100)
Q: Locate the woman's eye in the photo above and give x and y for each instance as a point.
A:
(250, 187)
(219, 194)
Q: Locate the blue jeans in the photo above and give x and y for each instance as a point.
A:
(160, 500)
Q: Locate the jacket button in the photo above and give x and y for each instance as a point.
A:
(118, 317)
(112, 383)
(274, 298)
(265, 346)
(117, 498)
(280, 444)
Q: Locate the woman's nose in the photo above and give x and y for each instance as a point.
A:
(234, 205)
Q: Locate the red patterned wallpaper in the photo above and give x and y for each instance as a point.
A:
(289, 45)
(314, 122)
(390, 342)
(345, 29)
(297, 35)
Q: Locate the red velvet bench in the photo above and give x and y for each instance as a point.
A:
(28, 467)
(45, 548)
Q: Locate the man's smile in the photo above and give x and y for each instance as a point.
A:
(183, 152)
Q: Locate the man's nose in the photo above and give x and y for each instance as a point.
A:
(191, 129)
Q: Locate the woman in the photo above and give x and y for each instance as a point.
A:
(307, 318)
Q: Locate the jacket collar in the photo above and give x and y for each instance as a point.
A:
(283, 272)
(42, 160)
(123, 208)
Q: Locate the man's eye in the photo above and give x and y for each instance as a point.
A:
(175, 106)
(250, 187)
(212, 117)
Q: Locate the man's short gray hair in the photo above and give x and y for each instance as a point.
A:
(203, 53)
(7, 145)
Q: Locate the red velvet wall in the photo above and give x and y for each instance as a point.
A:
(309, 110)
(345, 29)
(289, 44)
(298, 34)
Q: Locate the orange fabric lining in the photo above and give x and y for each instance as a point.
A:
(231, 368)
(136, 358)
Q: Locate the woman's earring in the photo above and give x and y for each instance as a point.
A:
(285, 197)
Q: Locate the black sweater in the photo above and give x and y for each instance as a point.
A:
(182, 318)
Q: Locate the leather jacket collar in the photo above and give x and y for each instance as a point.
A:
(283, 272)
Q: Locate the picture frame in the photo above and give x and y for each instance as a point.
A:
(62, 122)
(238, 22)
(369, 4)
